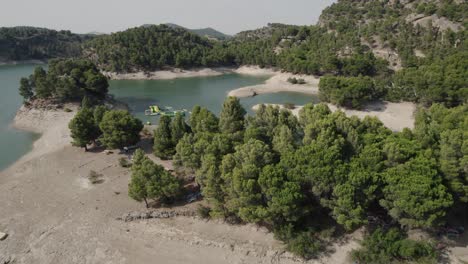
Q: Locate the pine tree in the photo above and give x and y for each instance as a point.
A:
(178, 128)
(231, 121)
(25, 89)
(83, 128)
(163, 142)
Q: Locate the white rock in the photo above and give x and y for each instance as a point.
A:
(3, 236)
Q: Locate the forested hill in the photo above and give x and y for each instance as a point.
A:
(31, 43)
(147, 48)
(401, 31)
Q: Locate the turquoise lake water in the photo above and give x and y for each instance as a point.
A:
(185, 93)
(13, 143)
(181, 93)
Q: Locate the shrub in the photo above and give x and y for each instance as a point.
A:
(292, 80)
(68, 110)
(203, 211)
(301, 81)
(94, 177)
(392, 245)
(124, 163)
(305, 245)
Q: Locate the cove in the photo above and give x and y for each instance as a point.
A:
(182, 93)
(185, 93)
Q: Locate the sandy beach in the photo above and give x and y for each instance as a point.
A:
(395, 116)
(13, 62)
(278, 82)
(168, 74)
(184, 73)
(53, 214)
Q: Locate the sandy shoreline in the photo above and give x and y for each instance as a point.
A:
(22, 62)
(395, 116)
(168, 74)
(189, 73)
(276, 83)
(52, 125)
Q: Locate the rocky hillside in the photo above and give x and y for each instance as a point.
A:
(400, 31)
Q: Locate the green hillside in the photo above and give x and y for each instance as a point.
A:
(31, 43)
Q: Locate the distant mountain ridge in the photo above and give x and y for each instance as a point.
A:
(203, 32)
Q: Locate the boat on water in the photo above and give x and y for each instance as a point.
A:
(155, 110)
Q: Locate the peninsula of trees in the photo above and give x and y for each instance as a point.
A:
(65, 80)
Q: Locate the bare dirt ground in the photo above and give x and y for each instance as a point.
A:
(53, 214)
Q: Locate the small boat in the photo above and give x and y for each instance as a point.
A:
(153, 110)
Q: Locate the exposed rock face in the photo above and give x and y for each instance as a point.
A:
(442, 23)
(380, 50)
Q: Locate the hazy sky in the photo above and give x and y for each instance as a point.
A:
(229, 16)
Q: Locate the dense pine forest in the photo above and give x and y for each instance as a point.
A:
(30, 43)
(312, 178)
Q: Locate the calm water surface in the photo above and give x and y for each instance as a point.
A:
(182, 93)
(13, 143)
(185, 93)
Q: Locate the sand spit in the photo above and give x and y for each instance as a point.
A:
(277, 83)
(51, 124)
(395, 116)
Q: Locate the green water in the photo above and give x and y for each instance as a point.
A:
(209, 92)
(182, 93)
(13, 143)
